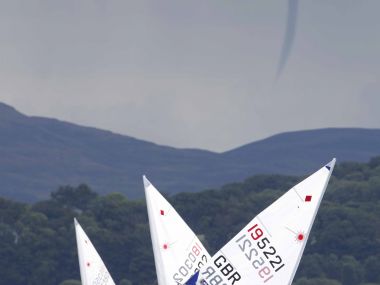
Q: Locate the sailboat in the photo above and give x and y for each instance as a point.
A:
(268, 250)
(178, 253)
(92, 269)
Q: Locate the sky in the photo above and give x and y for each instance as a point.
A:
(194, 74)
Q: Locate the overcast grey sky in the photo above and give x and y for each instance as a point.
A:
(192, 73)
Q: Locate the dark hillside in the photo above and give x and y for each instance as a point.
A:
(40, 154)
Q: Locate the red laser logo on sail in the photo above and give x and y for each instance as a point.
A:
(300, 236)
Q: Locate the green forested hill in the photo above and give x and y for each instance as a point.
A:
(37, 242)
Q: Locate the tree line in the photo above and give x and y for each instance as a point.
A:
(37, 241)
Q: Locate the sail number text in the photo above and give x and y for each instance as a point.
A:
(257, 249)
(194, 261)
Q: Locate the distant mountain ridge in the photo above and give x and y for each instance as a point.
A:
(39, 154)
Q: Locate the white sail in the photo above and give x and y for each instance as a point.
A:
(92, 269)
(268, 250)
(178, 252)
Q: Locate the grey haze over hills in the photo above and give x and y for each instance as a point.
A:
(40, 154)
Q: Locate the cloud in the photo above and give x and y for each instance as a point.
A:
(290, 34)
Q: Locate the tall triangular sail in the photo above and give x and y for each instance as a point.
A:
(268, 250)
(92, 269)
(178, 252)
